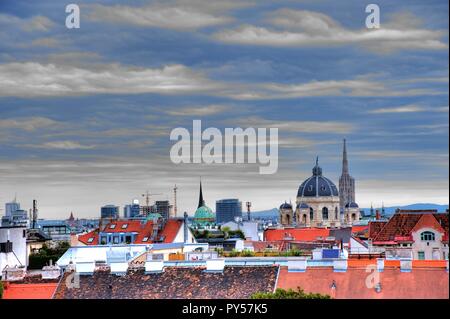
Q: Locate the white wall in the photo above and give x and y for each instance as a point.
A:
(428, 246)
(179, 238)
(357, 248)
(19, 257)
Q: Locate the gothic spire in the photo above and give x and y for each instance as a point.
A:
(344, 160)
(201, 201)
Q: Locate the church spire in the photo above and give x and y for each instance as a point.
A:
(344, 159)
(201, 201)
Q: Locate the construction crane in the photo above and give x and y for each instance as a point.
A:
(147, 198)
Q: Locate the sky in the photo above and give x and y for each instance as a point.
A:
(86, 114)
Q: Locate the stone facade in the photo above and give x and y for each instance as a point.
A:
(321, 211)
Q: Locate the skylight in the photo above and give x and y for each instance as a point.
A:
(112, 226)
(124, 226)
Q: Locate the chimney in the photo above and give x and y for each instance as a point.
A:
(377, 214)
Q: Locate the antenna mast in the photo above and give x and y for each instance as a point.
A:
(175, 201)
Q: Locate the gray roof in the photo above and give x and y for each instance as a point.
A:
(317, 185)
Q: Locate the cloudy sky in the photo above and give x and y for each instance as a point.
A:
(86, 114)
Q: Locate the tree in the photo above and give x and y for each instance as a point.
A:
(288, 294)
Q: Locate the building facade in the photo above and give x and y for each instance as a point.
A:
(132, 210)
(14, 216)
(109, 211)
(13, 247)
(412, 234)
(227, 210)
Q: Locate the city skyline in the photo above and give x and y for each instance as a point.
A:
(86, 114)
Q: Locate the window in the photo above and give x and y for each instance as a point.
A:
(90, 240)
(421, 255)
(336, 213)
(311, 214)
(145, 239)
(325, 213)
(124, 226)
(116, 239)
(427, 236)
(112, 226)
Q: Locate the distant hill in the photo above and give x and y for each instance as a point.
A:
(273, 213)
(391, 210)
(267, 214)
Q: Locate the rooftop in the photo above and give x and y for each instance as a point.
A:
(174, 283)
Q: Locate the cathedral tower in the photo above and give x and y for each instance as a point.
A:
(346, 183)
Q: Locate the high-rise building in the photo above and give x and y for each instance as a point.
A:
(163, 208)
(346, 183)
(132, 210)
(14, 216)
(110, 211)
(228, 209)
(11, 208)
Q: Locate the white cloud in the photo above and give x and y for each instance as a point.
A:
(34, 79)
(297, 28)
(62, 145)
(410, 108)
(177, 15)
(297, 126)
(36, 23)
(197, 111)
(28, 123)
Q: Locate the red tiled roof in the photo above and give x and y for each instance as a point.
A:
(29, 291)
(298, 234)
(171, 229)
(260, 246)
(143, 231)
(359, 228)
(169, 232)
(400, 226)
(132, 226)
(375, 227)
(85, 238)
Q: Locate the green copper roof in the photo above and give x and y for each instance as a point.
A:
(153, 216)
(204, 214)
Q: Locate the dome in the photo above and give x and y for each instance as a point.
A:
(352, 205)
(302, 205)
(204, 214)
(286, 206)
(317, 185)
(153, 216)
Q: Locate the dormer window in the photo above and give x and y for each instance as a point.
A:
(427, 236)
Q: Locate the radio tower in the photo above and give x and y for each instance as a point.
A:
(249, 204)
(175, 201)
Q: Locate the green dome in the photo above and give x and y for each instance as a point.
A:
(153, 216)
(204, 214)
